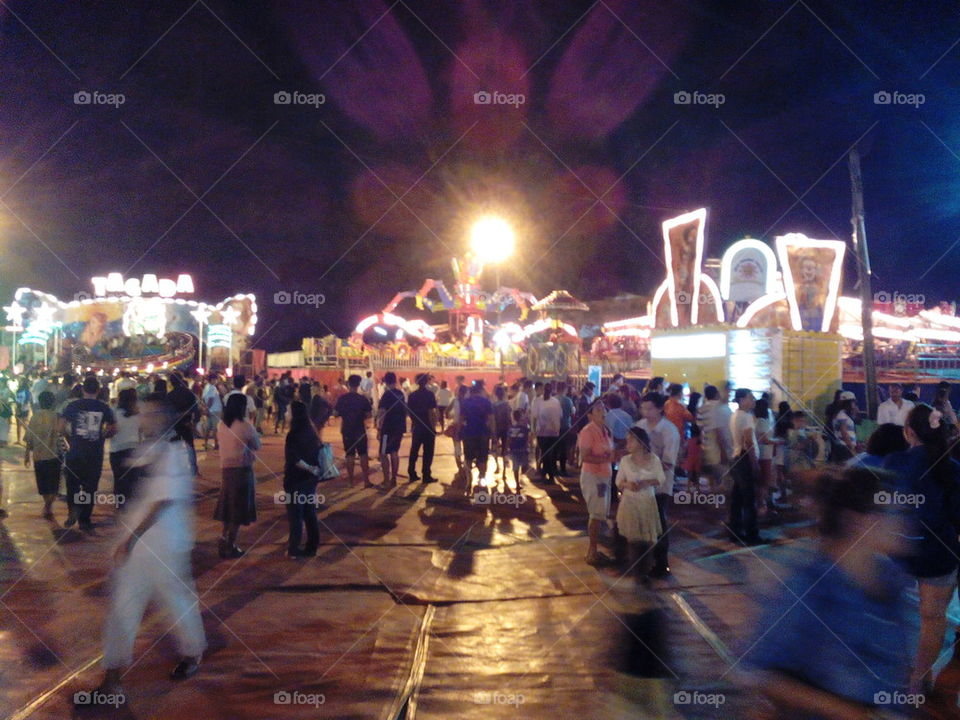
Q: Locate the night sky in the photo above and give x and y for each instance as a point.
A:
(371, 192)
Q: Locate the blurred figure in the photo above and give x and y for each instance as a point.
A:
(843, 428)
(745, 470)
(886, 439)
(152, 559)
(927, 473)
(354, 409)
(713, 417)
(833, 642)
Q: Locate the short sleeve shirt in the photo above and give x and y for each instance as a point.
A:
(87, 418)
(352, 409)
(740, 422)
(474, 412)
(595, 441)
(393, 403)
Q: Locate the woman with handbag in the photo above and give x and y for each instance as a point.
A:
(237, 505)
(301, 472)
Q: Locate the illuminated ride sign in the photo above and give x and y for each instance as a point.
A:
(143, 322)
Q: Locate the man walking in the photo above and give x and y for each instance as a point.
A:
(87, 423)
(422, 407)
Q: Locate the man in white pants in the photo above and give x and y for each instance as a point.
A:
(152, 561)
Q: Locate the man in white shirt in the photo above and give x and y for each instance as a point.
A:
(745, 470)
(665, 444)
(549, 416)
(366, 386)
(895, 408)
(444, 398)
(713, 417)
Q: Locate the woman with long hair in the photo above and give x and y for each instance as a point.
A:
(300, 475)
(929, 484)
(595, 443)
(123, 445)
(239, 443)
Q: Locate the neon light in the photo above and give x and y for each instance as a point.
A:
(657, 298)
(15, 313)
(756, 306)
(715, 291)
(726, 265)
(642, 321)
(150, 284)
(184, 284)
(115, 282)
(230, 315)
(219, 336)
(784, 242)
(694, 346)
(668, 225)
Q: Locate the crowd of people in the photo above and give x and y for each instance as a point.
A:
(887, 494)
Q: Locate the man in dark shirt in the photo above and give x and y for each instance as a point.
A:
(422, 407)
(391, 424)
(476, 412)
(188, 413)
(87, 423)
(353, 409)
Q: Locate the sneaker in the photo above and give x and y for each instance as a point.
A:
(71, 519)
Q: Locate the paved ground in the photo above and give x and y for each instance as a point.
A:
(418, 605)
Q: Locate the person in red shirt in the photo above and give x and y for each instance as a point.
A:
(674, 409)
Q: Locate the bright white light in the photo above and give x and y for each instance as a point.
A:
(758, 305)
(726, 265)
(380, 331)
(230, 315)
(696, 346)
(15, 313)
(115, 282)
(168, 288)
(150, 284)
(492, 239)
(185, 284)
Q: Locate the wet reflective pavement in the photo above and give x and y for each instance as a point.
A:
(419, 604)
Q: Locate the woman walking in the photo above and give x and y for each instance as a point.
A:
(927, 473)
(41, 442)
(237, 504)
(300, 475)
(123, 445)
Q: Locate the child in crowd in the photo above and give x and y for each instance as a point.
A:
(519, 439)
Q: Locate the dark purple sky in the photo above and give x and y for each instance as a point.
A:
(370, 193)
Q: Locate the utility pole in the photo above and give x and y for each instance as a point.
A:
(866, 289)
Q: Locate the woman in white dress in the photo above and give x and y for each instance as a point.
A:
(638, 520)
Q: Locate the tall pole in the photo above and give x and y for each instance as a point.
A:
(865, 277)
